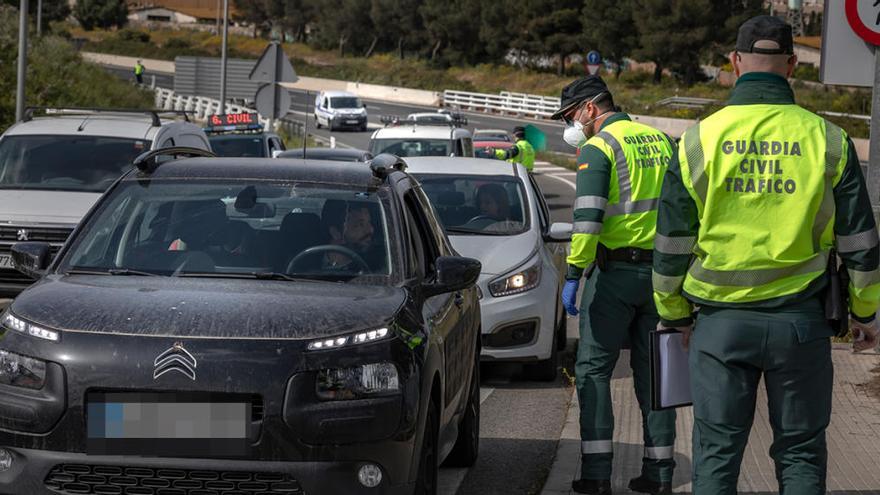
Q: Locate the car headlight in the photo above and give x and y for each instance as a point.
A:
(516, 283)
(11, 322)
(21, 371)
(346, 340)
(358, 382)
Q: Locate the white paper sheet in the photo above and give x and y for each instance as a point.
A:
(675, 379)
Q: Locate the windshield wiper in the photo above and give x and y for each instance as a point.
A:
(454, 230)
(81, 271)
(129, 271)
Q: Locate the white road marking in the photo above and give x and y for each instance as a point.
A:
(563, 179)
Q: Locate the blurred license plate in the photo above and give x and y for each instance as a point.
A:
(172, 424)
(6, 261)
(351, 121)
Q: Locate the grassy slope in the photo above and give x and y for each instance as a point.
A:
(633, 91)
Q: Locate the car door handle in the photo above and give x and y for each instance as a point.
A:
(459, 299)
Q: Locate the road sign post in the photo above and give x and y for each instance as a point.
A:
(863, 17)
(22, 60)
(594, 61)
(223, 57)
(273, 67)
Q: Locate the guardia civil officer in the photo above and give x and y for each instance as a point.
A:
(621, 164)
(753, 201)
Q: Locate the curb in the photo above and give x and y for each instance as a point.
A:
(568, 454)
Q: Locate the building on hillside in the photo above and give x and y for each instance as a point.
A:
(183, 13)
(808, 50)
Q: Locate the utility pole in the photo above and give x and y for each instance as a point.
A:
(217, 31)
(223, 57)
(22, 60)
(39, 18)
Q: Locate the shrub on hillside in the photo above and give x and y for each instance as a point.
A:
(57, 76)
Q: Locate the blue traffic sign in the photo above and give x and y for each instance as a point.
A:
(594, 58)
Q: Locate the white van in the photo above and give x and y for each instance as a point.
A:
(340, 110)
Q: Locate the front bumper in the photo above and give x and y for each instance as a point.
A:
(348, 121)
(500, 313)
(37, 472)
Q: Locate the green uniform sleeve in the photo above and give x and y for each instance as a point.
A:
(857, 241)
(677, 227)
(593, 183)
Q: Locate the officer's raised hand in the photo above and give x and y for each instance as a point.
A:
(865, 335)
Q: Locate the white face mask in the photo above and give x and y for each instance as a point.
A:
(574, 135)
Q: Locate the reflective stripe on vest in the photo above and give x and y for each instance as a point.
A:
(766, 248)
(625, 204)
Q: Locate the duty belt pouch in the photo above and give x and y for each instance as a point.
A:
(837, 296)
(602, 257)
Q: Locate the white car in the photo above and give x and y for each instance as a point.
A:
(422, 140)
(340, 110)
(494, 211)
(53, 168)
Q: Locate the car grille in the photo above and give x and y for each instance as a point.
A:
(76, 479)
(56, 236)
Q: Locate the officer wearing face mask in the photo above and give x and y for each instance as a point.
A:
(620, 168)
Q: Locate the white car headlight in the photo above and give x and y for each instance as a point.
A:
(351, 339)
(11, 322)
(517, 283)
(357, 382)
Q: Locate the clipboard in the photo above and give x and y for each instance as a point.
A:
(670, 376)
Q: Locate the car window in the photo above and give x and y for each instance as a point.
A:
(236, 228)
(543, 210)
(478, 204)
(191, 140)
(237, 145)
(276, 144)
(421, 230)
(437, 231)
(411, 147)
(468, 147)
(66, 163)
(345, 102)
(168, 143)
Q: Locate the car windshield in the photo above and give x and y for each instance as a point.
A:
(66, 163)
(345, 102)
(411, 147)
(488, 136)
(478, 204)
(237, 145)
(249, 229)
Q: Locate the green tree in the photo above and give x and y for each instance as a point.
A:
(453, 30)
(343, 23)
(397, 23)
(609, 28)
(53, 10)
(548, 29)
(57, 75)
(727, 16)
(101, 14)
(674, 34)
(498, 19)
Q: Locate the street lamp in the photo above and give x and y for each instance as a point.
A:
(223, 57)
(22, 60)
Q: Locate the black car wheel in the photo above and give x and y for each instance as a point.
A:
(317, 122)
(429, 468)
(467, 445)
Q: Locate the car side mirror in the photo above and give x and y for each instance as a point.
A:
(275, 153)
(364, 105)
(559, 232)
(31, 258)
(454, 273)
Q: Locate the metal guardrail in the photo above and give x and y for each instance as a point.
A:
(686, 102)
(866, 118)
(505, 103)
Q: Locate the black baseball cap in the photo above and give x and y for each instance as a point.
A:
(579, 91)
(765, 35)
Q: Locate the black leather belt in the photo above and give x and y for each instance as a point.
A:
(631, 255)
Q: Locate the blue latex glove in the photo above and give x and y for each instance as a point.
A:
(569, 296)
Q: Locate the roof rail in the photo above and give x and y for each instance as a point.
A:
(153, 113)
(383, 163)
(146, 162)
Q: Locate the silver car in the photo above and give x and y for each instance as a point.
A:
(54, 167)
(494, 211)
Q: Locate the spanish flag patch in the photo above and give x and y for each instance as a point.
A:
(583, 166)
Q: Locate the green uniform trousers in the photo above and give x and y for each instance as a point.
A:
(730, 351)
(622, 306)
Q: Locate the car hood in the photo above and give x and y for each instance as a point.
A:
(37, 206)
(207, 308)
(497, 254)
